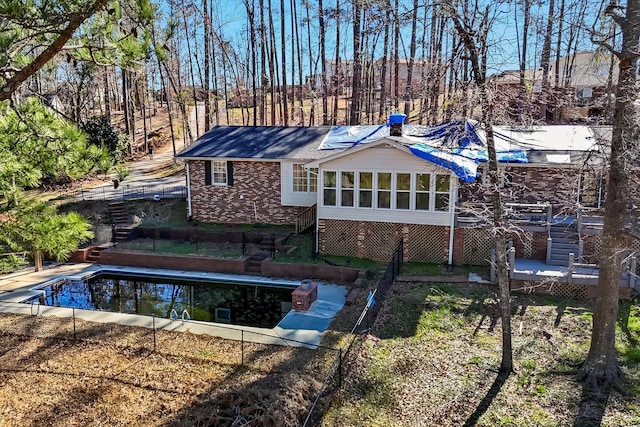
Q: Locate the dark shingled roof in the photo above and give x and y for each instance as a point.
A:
(259, 142)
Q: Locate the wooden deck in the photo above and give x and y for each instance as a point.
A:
(538, 271)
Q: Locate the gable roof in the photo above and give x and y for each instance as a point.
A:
(258, 142)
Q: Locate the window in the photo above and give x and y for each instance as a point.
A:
(423, 191)
(365, 192)
(313, 180)
(403, 190)
(384, 190)
(218, 173)
(347, 185)
(329, 184)
(442, 193)
(304, 180)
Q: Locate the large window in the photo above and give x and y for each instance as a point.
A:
(347, 186)
(423, 191)
(442, 193)
(365, 192)
(384, 190)
(403, 190)
(387, 190)
(329, 188)
(304, 180)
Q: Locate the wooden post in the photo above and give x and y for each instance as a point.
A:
(570, 271)
(512, 261)
(492, 274)
(632, 272)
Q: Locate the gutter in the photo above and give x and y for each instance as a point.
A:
(189, 213)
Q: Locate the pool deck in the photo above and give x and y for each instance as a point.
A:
(300, 329)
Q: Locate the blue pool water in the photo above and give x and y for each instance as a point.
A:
(244, 304)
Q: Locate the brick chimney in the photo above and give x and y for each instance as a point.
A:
(395, 124)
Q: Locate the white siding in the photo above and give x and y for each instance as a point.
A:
(386, 159)
(288, 196)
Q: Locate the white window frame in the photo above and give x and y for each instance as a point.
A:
(307, 179)
(393, 191)
(216, 165)
(335, 189)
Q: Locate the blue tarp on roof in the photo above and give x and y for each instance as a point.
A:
(514, 156)
(463, 167)
(458, 133)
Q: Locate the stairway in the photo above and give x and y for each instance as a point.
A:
(254, 262)
(94, 255)
(120, 218)
(564, 240)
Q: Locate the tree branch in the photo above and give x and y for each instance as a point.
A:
(12, 84)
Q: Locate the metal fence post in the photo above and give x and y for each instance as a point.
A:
(153, 316)
(273, 246)
(340, 367)
(242, 345)
(74, 322)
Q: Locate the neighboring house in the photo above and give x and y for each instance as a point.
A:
(375, 185)
(582, 90)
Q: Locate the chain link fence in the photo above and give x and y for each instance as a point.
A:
(127, 192)
(375, 298)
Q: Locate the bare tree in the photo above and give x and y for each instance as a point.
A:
(600, 368)
(474, 38)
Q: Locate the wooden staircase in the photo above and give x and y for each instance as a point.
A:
(564, 240)
(120, 218)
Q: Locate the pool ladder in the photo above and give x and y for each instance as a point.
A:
(174, 315)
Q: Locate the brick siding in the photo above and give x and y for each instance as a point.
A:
(254, 196)
(531, 185)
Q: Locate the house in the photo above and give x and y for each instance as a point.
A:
(239, 174)
(371, 186)
(580, 86)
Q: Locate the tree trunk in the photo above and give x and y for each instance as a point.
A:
(475, 48)
(396, 55)
(283, 47)
(523, 60)
(207, 67)
(412, 55)
(354, 117)
(545, 61)
(601, 367)
(323, 63)
(336, 75)
(383, 72)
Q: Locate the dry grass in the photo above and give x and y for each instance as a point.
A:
(432, 356)
(429, 360)
(111, 376)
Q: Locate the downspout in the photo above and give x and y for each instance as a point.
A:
(189, 213)
(452, 224)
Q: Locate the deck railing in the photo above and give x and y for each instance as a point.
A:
(521, 214)
(306, 219)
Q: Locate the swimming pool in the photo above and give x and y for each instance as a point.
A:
(259, 304)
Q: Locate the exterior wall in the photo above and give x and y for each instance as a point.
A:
(288, 196)
(378, 240)
(254, 196)
(384, 159)
(476, 244)
(531, 184)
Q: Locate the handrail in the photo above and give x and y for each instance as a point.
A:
(306, 218)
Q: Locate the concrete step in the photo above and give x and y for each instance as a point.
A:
(571, 247)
